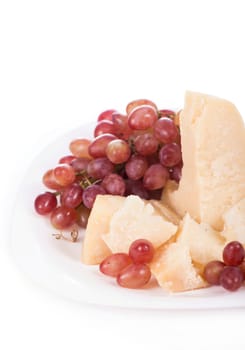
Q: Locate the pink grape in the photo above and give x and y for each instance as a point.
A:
(155, 177)
(80, 148)
(104, 127)
(135, 187)
(64, 174)
(90, 193)
(80, 164)
(50, 181)
(170, 155)
(118, 151)
(72, 196)
(98, 146)
(114, 264)
(121, 127)
(67, 159)
(175, 173)
(233, 253)
(136, 167)
(165, 130)
(166, 113)
(142, 117)
(146, 144)
(82, 216)
(141, 251)
(98, 168)
(114, 184)
(231, 278)
(63, 217)
(45, 203)
(106, 115)
(140, 102)
(212, 272)
(134, 276)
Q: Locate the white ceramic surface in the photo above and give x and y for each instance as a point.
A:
(55, 264)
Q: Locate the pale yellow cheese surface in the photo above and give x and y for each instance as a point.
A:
(213, 149)
(234, 219)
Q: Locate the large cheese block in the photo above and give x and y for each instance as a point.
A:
(174, 270)
(137, 219)
(205, 244)
(213, 149)
(234, 219)
(94, 249)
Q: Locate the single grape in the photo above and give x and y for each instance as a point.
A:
(118, 151)
(165, 130)
(166, 113)
(134, 276)
(80, 164)
(233, 253)
(175, 173)
(121, 127)
(114, 184)
(231, 278)
(142, 117)
(114, 264)
(90, 193)
(72, 196)
(141, 251)
(64, 174)
(155, 177)
(82, 216)
(104, 127)
(67, 159)
(146, 144)
(45, 203)
(79, 148)
(98, 168)
(212, 272)
(63, 217)
(136, 167)
(170, 155)
(135, 187)
(136, 103)
(98, 146)
(50, 181)
(106, 115)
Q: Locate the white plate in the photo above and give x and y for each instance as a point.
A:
(56, 265)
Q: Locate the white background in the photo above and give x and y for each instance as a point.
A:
(63, 62)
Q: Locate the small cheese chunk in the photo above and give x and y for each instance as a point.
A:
(205, 244)
(173, 268)
(234, 219)
(213, 149)
(137, 219)
(94, 249)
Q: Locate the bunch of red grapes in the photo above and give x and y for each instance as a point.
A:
(132, 153)
(229, 273)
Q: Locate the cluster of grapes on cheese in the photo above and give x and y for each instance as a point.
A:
(158, 181)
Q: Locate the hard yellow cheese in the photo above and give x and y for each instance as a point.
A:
(213, 149)
(234, 219)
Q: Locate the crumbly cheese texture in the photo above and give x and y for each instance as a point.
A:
(213, 149)
(137, 219)
(173, 268)
(234, 222)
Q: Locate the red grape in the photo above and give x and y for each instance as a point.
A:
(98, 168)
(106, 115)
(82, 216)
(142, 117)
(135, 187)
(170, 155)
(141, 251)
(155, 177)
(136, 103)
(114, 264)
(121, 127)
(104, 127)
(233, 253)
(90, 193)
(165, 130)
(72, 196)
(63, 217)
(136, 167)
(97, 148)
(118, 151)
(64, 174)
(114, 184)
(50, 181)
(175, 173)
(134, 276)
(45, 203)
(231, 278)
(212, 272)
(166, 113)
(80, 164)
(146, 144)
(67, 159)
(79, 148)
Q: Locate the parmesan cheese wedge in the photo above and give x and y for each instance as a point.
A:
(213, 149)
(234, 219)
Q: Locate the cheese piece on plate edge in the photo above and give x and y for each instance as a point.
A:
(137, 219)
(234, 223)
(213, 149)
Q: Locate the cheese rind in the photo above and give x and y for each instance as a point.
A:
(213, 150)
